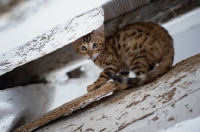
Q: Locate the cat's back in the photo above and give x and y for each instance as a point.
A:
(141, 40)
(140, 29)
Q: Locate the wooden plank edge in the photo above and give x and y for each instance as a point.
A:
(66, 109)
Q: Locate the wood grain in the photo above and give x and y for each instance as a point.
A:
(69, 107)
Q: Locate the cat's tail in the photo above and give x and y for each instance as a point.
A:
(158, 71)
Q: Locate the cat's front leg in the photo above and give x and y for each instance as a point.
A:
(103, 78)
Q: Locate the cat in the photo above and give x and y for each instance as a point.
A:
(144, 48)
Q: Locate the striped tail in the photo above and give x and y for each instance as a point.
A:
(161, 69)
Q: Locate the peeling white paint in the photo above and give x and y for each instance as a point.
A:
(34, 17)
(51, 40)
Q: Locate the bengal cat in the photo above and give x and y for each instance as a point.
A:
(144, 48)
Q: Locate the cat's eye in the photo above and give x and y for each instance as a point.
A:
(95, 45)
(83, 48)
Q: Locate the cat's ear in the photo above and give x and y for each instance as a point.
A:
(75, 43)
(99, 31)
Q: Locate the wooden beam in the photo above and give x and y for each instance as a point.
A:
(52, 40)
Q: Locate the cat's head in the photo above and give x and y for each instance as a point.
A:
(92, 44)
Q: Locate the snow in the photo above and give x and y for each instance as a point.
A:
(73, 88)
(20, 102)
(185, 126)
(185, 31)
(183, 23)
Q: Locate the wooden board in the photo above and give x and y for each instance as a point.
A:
(50, 41)
(69, 107)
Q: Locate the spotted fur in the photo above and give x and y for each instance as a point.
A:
(144, 48)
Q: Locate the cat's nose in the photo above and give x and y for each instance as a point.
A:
(90, 53)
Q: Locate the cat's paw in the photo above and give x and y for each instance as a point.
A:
(91, 87)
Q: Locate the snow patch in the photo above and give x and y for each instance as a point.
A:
(185, 126)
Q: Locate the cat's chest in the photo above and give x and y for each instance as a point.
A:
(104, 60)
(109, 59)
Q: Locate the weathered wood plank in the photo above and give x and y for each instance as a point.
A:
(36, 70)
(52, 40)
(159, 12)
(156, 105)
(68, 108)
(116, 8)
